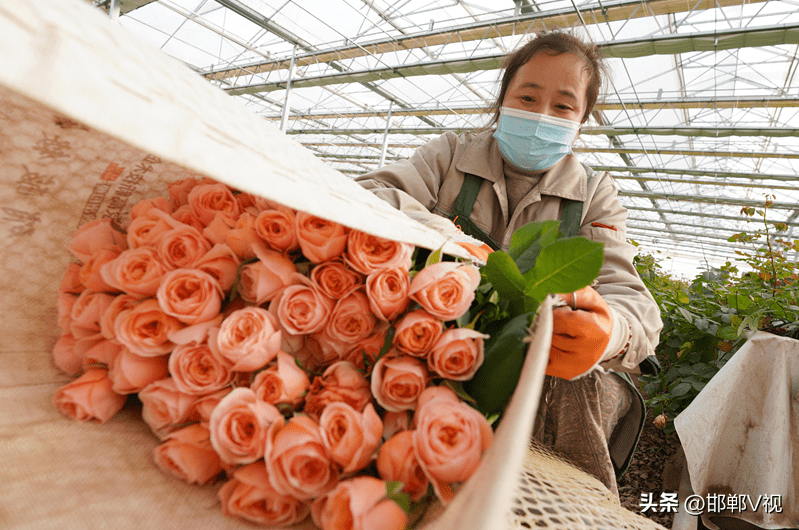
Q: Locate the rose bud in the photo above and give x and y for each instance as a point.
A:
(367, 253)
(417, 332)
(341, 381)
(320, 239)
(351, 437)
(284, 382)
(359, 503)
(187, 454)
(249, 495)
(396, 461)
(457, 354)
(239, 426)
(276, 227)
(449, 439)
(398, 381)
(89, 397)
(248, 337)
(335, 279)
(387, 291)
(445, 289)
(297, 462)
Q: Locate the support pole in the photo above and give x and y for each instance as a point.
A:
(286, 101)
(113, 9)
(385, 136)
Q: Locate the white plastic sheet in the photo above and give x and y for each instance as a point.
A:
(741, 433)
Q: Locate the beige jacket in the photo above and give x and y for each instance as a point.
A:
(426, 185)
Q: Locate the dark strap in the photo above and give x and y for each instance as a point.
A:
(462, 210)
(571, 216)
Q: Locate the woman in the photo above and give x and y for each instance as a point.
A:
(524, 171)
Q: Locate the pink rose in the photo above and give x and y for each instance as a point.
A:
(457, 354)
(64, 355)
(164, 407)
(145, 329)
(387, 291)
(341, 381)
(90, 275)
(449, 439)
(101, 352)
(260, 281)
(398, 381)
(196, 333)
(297, 462)
(205, 405)
(445, 289)
(396, 461)
(301, 308)
(87, 311)
(70, 283)
(186, 215)
(93, 236)
(136, 271)
(181, 247)
(416, 333)
(209, 199)
(179, 190)
(239, 425)
(367, 253)
(276, 227)
(197, 370)
(143, 207)
(120, 303)
(394, 422)
(89, 397)
(248, 337)
(187, 454)
(218, 229)
(316, 351)
(131, 373)
(284, 382)
(351, 437)
(335, 279)
(352, 319)
(320, 239)
(250, 496)
(243, 236)
(222, 264)
(369, 347)
(359, 503)
(190, 295)
(144, 231)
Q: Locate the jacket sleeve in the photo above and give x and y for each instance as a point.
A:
(619, 283)
(412, 185)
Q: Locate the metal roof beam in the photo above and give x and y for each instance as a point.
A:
(696, 172)
(657, 45)
(710, 132)
(705, 199)
(503, 27)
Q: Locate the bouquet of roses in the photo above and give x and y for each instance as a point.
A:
(316, 367)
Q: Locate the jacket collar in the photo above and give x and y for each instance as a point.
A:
(484, 159)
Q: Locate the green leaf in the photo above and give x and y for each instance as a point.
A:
(739, 301)
(686, 314)
(457, 387)
(681, 389)
(504, 275)
(394, 493)
(433, 258)
(728, 333)
(566, 265)
(527, 242)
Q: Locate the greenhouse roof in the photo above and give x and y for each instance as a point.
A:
(701, 118)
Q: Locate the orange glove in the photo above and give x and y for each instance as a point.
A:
(580, 335)
(480, 252)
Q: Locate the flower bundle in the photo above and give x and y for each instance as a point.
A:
(310, 364)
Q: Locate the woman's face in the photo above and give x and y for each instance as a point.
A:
(554, 85)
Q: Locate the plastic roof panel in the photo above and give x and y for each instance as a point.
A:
(701, 117)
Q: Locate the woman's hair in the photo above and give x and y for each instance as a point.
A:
(555, 43)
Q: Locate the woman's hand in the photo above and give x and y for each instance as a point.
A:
(581, 333)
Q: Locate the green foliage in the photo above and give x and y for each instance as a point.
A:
(706, 322)
(513, 285)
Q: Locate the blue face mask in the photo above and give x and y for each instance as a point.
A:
(533, 141)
